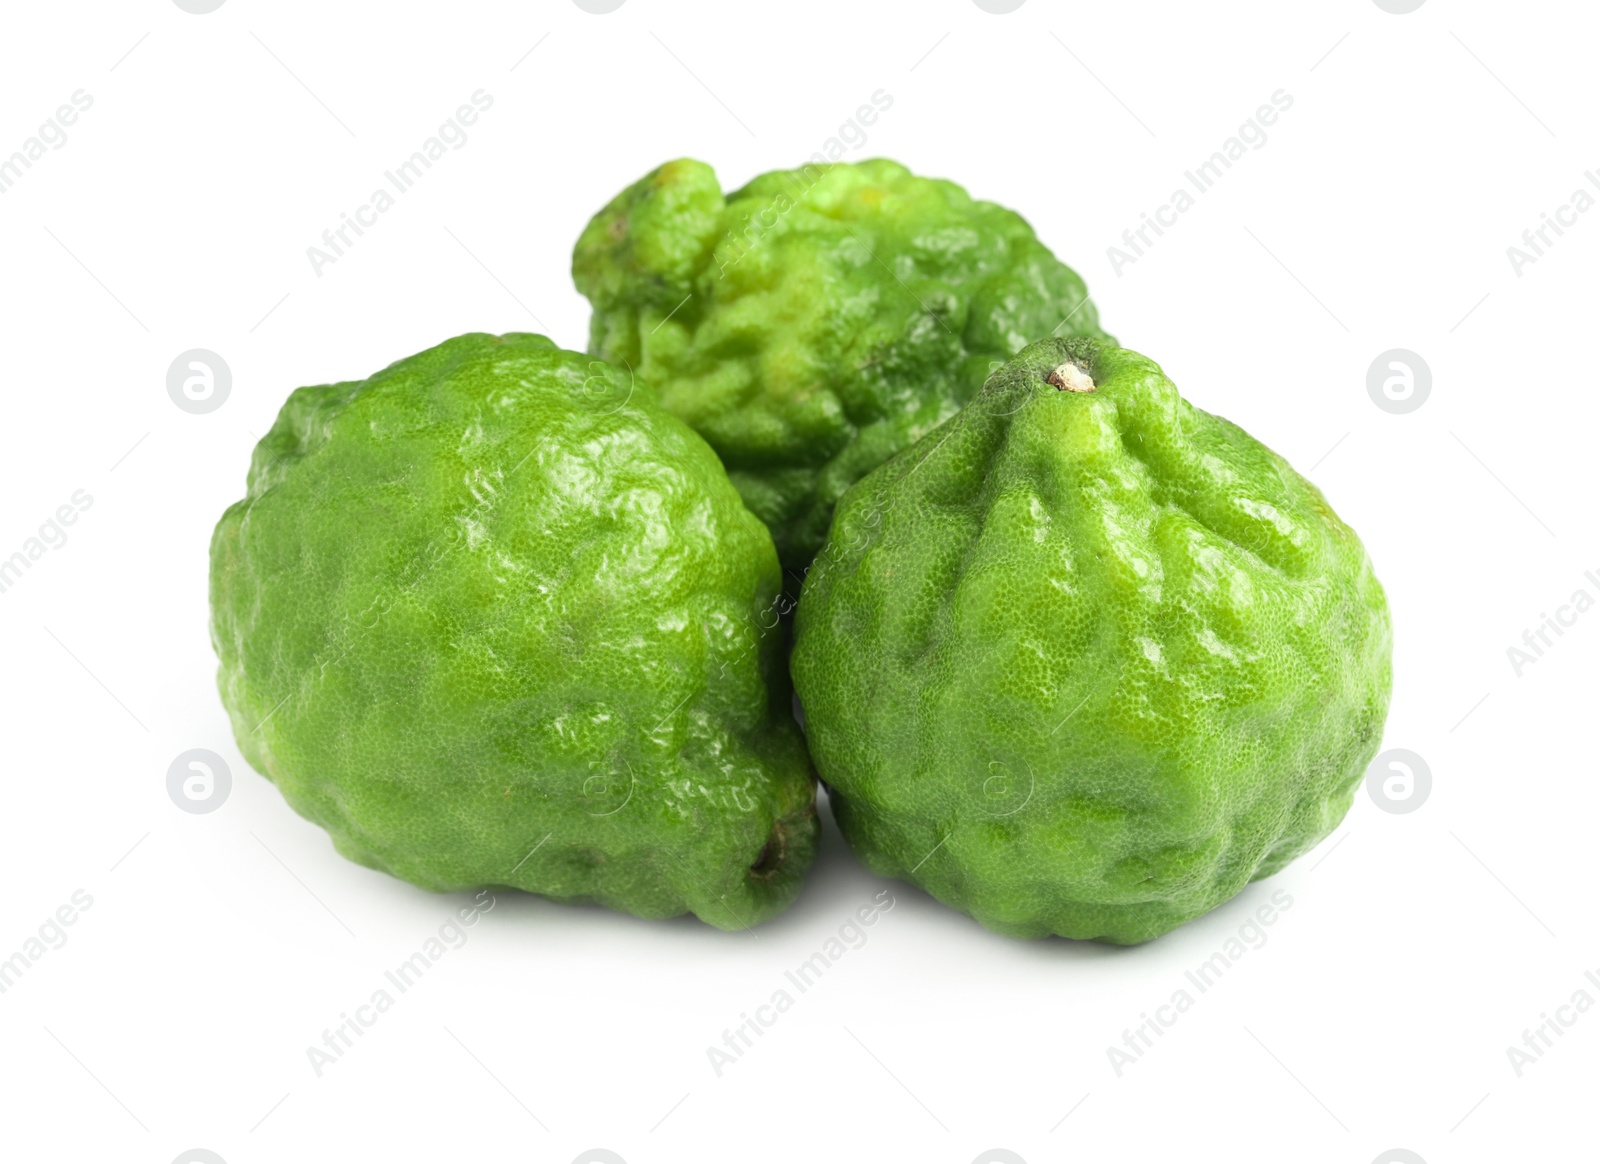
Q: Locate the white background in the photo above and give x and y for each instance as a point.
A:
(1377, 1013)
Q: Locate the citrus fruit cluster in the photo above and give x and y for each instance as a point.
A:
(1072, 655)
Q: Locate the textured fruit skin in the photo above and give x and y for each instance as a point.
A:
(817, 321)
(1087, 663)
(492, 617)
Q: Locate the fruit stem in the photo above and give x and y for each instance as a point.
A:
(1070, 378)
(772, 853)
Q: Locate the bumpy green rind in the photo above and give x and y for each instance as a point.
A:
(1087, 663)
(492, 617)
(817, 321)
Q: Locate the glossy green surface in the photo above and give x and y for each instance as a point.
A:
(492, 617)
(1089, 662)
(817, 321)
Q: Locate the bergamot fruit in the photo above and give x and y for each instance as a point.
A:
(1087, 660)
(817, 321)
(492, 617)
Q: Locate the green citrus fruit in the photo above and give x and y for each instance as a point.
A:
(1087, 660)
(816, 321)
(492, 617)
